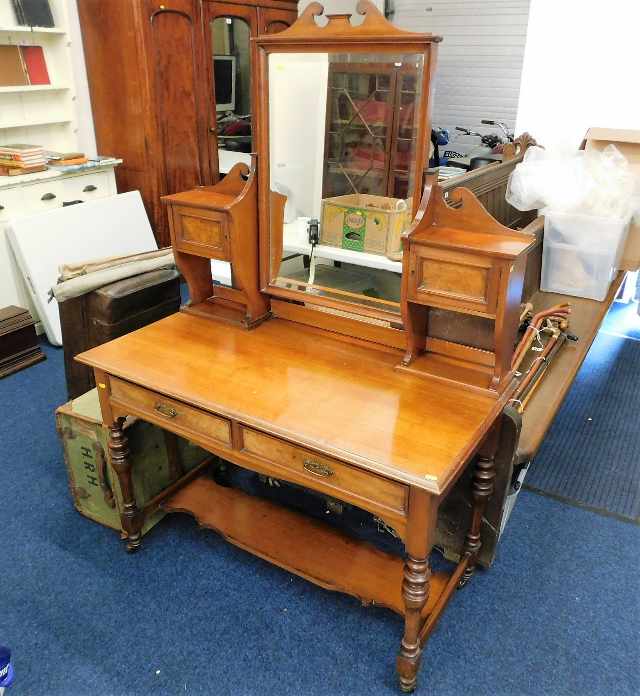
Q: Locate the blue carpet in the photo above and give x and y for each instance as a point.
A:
(557, 615)
(591, 455)
(623, 320)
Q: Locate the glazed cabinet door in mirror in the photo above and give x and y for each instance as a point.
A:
(229, 28)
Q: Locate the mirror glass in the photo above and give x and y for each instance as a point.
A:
(230, 40)
(342, 152)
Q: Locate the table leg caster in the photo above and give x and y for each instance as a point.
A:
(408, 686)
(133, 543)
(408, 664)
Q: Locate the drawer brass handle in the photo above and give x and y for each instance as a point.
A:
(165, 410)
(318, 468)
(48, 197)
(89, 188)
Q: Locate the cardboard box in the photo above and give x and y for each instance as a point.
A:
(364, 222)
(628, 142)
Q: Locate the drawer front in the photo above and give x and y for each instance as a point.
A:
(453, 280)
(87, 187)
(202, 232)
(169, 413)
(11, 204)
(326, 474)
(47, 195)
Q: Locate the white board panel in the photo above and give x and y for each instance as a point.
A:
(479, 66)
(111, 226)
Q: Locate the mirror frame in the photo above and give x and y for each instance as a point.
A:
(374, 35)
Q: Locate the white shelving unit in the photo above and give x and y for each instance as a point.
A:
(56, 116)
(41, 114)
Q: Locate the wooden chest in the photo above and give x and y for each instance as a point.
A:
(19, 346)
(111, 311)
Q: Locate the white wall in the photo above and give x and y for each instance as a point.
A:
(337, 6)
(580, 69)
(479, 60)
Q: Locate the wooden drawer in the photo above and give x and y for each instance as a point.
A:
(327, 475)
(453, 280)
(201, 232)
(169, 413)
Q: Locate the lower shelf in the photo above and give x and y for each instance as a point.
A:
(301, 545)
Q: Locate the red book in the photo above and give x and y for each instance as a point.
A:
(33, 57)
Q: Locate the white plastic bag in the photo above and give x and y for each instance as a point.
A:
(594, 183)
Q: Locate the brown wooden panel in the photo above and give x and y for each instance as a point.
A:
(117, 82)
(195, 229)
(202, 232)
(302, 545)
(167, 412)
(326, 474)
(174, 53)
(454, 279)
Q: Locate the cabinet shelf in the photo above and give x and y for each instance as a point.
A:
(31, 124)
(33, 88)
(32, 30)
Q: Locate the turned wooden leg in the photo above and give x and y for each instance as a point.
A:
(482, 485)
(130, 516)
(415, 590)
(421, 524)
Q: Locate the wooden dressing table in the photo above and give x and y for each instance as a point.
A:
(291, 402)
(321, 385)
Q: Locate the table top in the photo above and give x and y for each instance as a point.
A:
(301, 384)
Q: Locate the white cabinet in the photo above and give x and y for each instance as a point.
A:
(88, 187)
(38, 193)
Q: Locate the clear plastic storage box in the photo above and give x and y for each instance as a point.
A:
(580, 253)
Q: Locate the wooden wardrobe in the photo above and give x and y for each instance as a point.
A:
(152, 88)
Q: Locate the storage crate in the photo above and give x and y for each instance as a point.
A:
(580, 254)
(92, 481)
(364, 222)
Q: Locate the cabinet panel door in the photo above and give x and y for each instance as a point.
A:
(175, 56)
(271, 20)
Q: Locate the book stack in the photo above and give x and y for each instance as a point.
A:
(64, 159)
(21, 158)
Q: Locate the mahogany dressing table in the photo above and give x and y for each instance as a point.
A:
(337, 383)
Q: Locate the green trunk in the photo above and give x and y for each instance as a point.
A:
(93, 483)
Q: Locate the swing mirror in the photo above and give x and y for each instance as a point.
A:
(342, 160)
